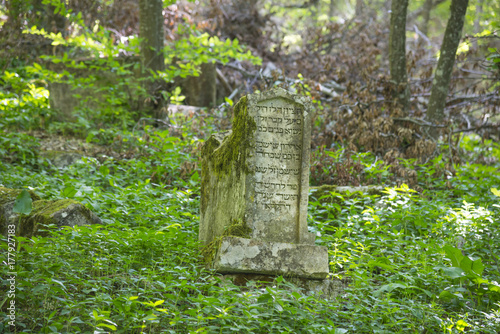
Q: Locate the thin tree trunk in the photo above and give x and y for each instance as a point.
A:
(331, 11)
(359, 7)
(397, 53)
(426, 15)
(441, 82)
(413, 15)
(152, 33)
(479, 14)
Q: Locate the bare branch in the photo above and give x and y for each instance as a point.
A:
(484, 126)
(420, 122)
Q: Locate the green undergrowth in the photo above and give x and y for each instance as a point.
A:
(423, 261)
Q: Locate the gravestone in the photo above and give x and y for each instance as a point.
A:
(255, 182)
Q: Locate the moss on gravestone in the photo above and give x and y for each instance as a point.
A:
(225, 153)
(237, 229)
(235, 145)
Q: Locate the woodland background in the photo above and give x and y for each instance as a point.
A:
(421, 256)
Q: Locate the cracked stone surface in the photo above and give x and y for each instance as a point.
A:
(240, 255)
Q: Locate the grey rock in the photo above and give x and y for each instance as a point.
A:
(64, 212)
(62, 159)
(240, 255)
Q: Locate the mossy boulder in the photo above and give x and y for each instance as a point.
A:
(58, 213)
(64, 212)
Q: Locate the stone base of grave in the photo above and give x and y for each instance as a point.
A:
(329, 288)
(240, 255)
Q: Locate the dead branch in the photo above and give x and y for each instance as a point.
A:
(420, 122)
(223, 80)
(484, 126)
(332, 92)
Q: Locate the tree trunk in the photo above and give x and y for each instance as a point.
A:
(14, 9)
(441, 82)
(397, 53)
(152, 33)
(331, 9)
(479, 14)
(359, 7)
(420, 11)
(426, 15)
(200, 91)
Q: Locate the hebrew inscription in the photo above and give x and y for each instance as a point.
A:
(277, 158)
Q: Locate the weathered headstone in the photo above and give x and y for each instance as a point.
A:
(255, 182)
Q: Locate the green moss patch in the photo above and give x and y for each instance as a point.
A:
(8, 195)
(237, 229)
(43, 215)
(222, 156)
(234, 147)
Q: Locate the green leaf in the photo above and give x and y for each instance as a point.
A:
(466, 264)
(59, 282)
(195, 177)
(265, 298)
(389, 287)
(495, 191)
(23, 203)
(447, 295)
(69, 191)
(494, 287)
(461, 325)
(158, 302)
(453, 272)
(112, 327)
(104, 170)
(454, 254)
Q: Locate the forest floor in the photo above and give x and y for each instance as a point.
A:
(416, 262)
